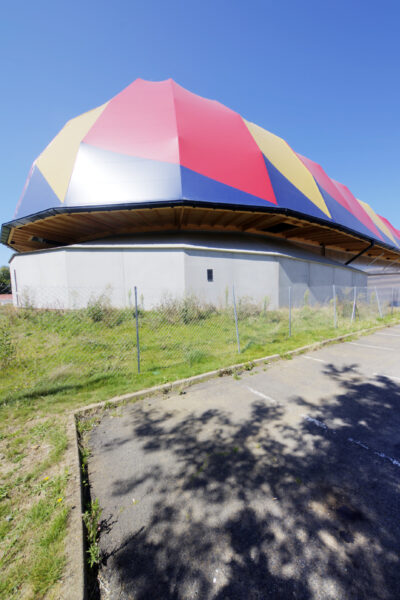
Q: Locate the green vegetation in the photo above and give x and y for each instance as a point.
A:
(53, 361)
(33, 520)
(7, 348)
(91, 518)
(5, 283)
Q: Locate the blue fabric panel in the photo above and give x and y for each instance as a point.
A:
(343, 217)
(288, 196)
(38, 196)
(201, 188)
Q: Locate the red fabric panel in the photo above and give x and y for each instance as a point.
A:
(139, 121)
(340, 193)
(215, 142)
(357, 209)
(324, 180)
(394, 231)
(163, 121)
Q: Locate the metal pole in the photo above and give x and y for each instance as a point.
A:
(236, 319)
(353, 314)
(392, 300)
(290, 311)
(378, 301)
(137, 332)
(334, 307)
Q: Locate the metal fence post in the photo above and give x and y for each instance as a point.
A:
(334, 307)
(379, 302)
(353, 314)
(137, 331)
(290, 311)
(236, 319)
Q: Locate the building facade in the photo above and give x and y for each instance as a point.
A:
(207, 266)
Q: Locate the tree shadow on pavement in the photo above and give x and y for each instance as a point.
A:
(268, 505)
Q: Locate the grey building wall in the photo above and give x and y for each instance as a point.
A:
(317, 278)
(252, 276)
(161, 266)
(73, 277)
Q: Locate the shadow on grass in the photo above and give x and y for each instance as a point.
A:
(48, 389)
(255, 507)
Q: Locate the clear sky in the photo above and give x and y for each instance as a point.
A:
(324, 75)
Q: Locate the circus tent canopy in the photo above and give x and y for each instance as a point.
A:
(158, 157)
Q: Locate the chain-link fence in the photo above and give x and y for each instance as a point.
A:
(338, 306)
(177, 337)
(5, 293)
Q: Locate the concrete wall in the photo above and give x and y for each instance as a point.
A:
(254, 277)
(161, 266)
(385, 280)
(318, 278)
(71, 278)
(155, 273)
(33, 273)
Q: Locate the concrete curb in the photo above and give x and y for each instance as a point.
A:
(74, 581)
(189, 381)
(79, 578)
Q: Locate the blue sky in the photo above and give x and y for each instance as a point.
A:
(324, 75)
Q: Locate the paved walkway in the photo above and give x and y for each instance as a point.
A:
(281, 484)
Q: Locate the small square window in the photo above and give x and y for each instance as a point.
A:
(210, 275)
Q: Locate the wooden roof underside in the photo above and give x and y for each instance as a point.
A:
(63, 229)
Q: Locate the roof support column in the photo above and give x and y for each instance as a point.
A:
(359, 254)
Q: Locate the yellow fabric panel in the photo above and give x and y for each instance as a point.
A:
(57, 160)
(378, 221)
(280, 154)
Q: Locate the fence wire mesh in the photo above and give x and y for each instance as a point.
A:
(61, 348)
(5, 293)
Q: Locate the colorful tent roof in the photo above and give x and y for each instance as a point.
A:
(156, 141)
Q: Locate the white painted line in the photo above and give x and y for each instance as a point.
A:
(312, 358)
(387, 376)
(315, 421)
(322, 425)
(394, 461)
(358, 443)
(261, 395)
(373, 347)
(388, 334)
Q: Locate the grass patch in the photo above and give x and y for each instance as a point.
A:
(52, 362)
(91, 518)
(35, 516)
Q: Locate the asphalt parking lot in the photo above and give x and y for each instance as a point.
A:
(282, 483)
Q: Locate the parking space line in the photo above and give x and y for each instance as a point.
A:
(394, 461)
(351, 440)
(315, 421)
(387, 334)
(261, 395)
(313, 358)
(387, 376)
(370, 346)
